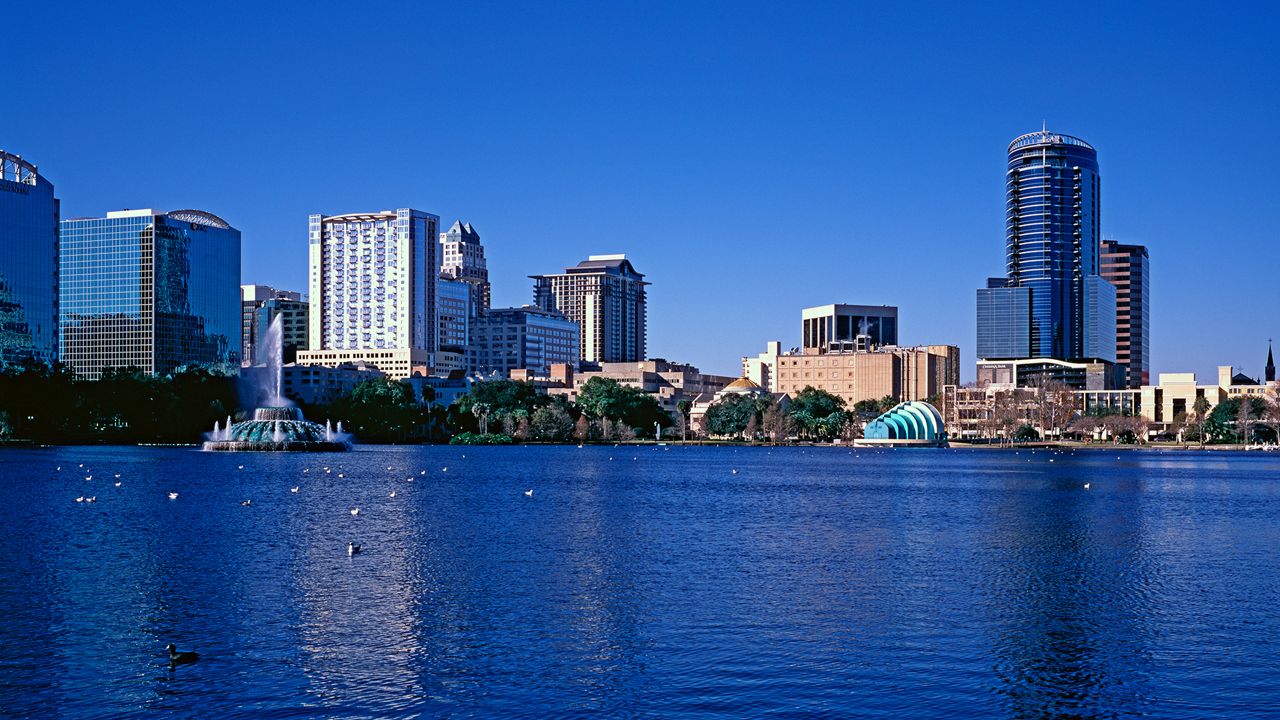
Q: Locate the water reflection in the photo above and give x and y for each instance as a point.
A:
(640, 581)
(1067, 587)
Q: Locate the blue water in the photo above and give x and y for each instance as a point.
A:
(641, 582)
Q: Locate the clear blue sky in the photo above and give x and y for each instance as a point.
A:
(752, 159)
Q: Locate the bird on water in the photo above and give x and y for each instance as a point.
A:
(528, 493)
(352, 548)
(180, 658)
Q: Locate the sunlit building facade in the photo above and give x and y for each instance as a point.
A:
(373, 289)
(151, 290)
(462, 259)
(606, 297)
(1128, 268)
(528, 338)
(28, 263)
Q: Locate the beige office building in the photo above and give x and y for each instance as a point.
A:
(903, 373)
(668, 382)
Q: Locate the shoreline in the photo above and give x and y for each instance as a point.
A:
(954, 445)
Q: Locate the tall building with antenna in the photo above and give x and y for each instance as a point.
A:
(1052, 305)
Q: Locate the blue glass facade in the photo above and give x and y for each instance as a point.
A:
(1052, 235)
(1051, 250)
(28, 263)
(1004, 322)
(149, 290)
(1099, 319)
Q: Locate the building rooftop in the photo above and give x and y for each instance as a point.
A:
(1044, 137)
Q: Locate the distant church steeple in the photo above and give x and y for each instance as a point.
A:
(1271, 365)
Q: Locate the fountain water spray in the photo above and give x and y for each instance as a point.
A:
(276, 424)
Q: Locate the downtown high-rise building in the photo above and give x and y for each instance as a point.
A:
(260, 305)
(28, 263)
(149, 289)
(1128, 268)
(462, 259)
(372, 283)
(605, 296)
(525, 338)
(1052, 303)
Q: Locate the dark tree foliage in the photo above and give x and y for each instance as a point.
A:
(381, 409)
(50, 404)
(730, 415)
(818, 413)
(1224, 424)
(603, 398)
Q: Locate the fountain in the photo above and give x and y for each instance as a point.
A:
(276, 425)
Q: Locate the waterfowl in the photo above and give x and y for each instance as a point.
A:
(355, 511)
(246, 503)
(80, 499)
(392, 494)
(180, 658)
(528, 493)
(293, 489)
(352, 549)
(173, 496)
(1086, 486)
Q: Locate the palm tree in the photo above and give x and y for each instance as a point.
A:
(481, 411)
(683, 407)
(1201, 409)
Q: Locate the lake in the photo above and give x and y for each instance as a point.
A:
(699, 582)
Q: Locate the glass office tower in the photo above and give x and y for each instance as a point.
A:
(1052, 235)
(151, 290)
(1051, 250)
(28, 263)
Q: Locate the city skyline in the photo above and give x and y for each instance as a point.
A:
(686, 195)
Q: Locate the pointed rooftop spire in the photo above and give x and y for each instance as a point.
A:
(1271, 364)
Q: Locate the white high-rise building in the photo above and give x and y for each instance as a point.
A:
(373, 289)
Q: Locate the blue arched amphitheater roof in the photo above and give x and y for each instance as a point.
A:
(913, 420)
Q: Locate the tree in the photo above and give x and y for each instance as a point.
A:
(582, 429)
(481, 410)
(818, 413)
(1245, 416)
(607, 399)
(775, 424)
(683, 407)
(867, 407)
(1025, 433)
(1230, 419)
(552, 423)
(380, 408)
(1200, 410)
(1271, 414)
(1004, 414)
(499, 399)
(730, 415)
(1055, 407)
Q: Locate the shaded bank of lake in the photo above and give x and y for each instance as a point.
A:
(640, 581)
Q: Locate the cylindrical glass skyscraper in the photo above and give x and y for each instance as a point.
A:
(1052, 237)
